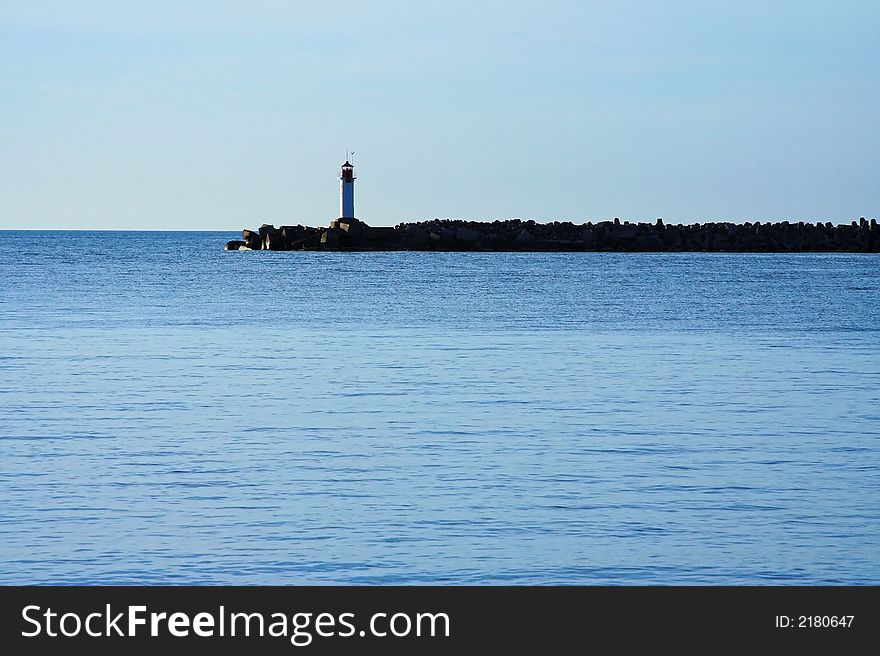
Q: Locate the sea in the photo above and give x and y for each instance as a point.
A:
(171, 413)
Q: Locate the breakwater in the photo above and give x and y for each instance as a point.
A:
(517, 235)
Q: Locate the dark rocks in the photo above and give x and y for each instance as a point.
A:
(416, 238)
(518, 235)
(625, 232)
(382, 238)
(273, 239)
(447, 237)
(648, 242)
(330, 238)
(467, 235)
(252, 239)
(525, 237)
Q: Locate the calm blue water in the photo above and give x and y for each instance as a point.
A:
(172, 413)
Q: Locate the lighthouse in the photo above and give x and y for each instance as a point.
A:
(346, 191)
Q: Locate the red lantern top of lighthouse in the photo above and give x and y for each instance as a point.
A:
(347, 174)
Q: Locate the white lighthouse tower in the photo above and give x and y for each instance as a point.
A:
(346, 191)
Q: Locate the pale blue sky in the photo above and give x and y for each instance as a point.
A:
(219, 115)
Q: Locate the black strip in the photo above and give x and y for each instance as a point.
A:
(539, 619)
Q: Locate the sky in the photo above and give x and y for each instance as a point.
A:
(216, 115)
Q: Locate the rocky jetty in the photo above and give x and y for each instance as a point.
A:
(517, 235)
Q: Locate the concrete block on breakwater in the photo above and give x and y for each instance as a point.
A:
(347, 234)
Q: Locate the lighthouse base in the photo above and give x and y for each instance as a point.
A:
(351, 226)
